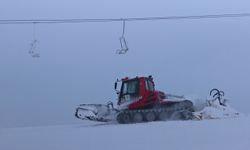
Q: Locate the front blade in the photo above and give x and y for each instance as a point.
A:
(95, 112)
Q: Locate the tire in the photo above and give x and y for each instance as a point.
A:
(177, 116)
(150, 116)
(163, 116)
(123, 118)
(187, 115)
(137, 117)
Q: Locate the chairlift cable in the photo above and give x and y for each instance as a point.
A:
(58, 21)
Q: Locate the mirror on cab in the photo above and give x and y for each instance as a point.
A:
(115, 86)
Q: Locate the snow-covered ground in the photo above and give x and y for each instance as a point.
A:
(215, 127)
(215, 134)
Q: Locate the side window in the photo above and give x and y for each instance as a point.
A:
(149, 85)
(146, 84)
(125, 88)
(132, 87)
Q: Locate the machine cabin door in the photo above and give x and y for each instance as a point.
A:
(150, 95)
(129, 91)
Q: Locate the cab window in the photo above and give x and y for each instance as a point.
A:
(149, 85)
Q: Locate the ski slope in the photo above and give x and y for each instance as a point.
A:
(221, 134)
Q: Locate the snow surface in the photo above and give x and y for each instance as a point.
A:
(221, 128)
(215, 134)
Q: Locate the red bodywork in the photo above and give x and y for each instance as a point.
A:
(144, 97)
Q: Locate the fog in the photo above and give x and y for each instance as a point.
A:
(78, 63)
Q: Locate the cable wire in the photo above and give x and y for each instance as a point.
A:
(57, 21)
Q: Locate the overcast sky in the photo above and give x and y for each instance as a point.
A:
(78, 63)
